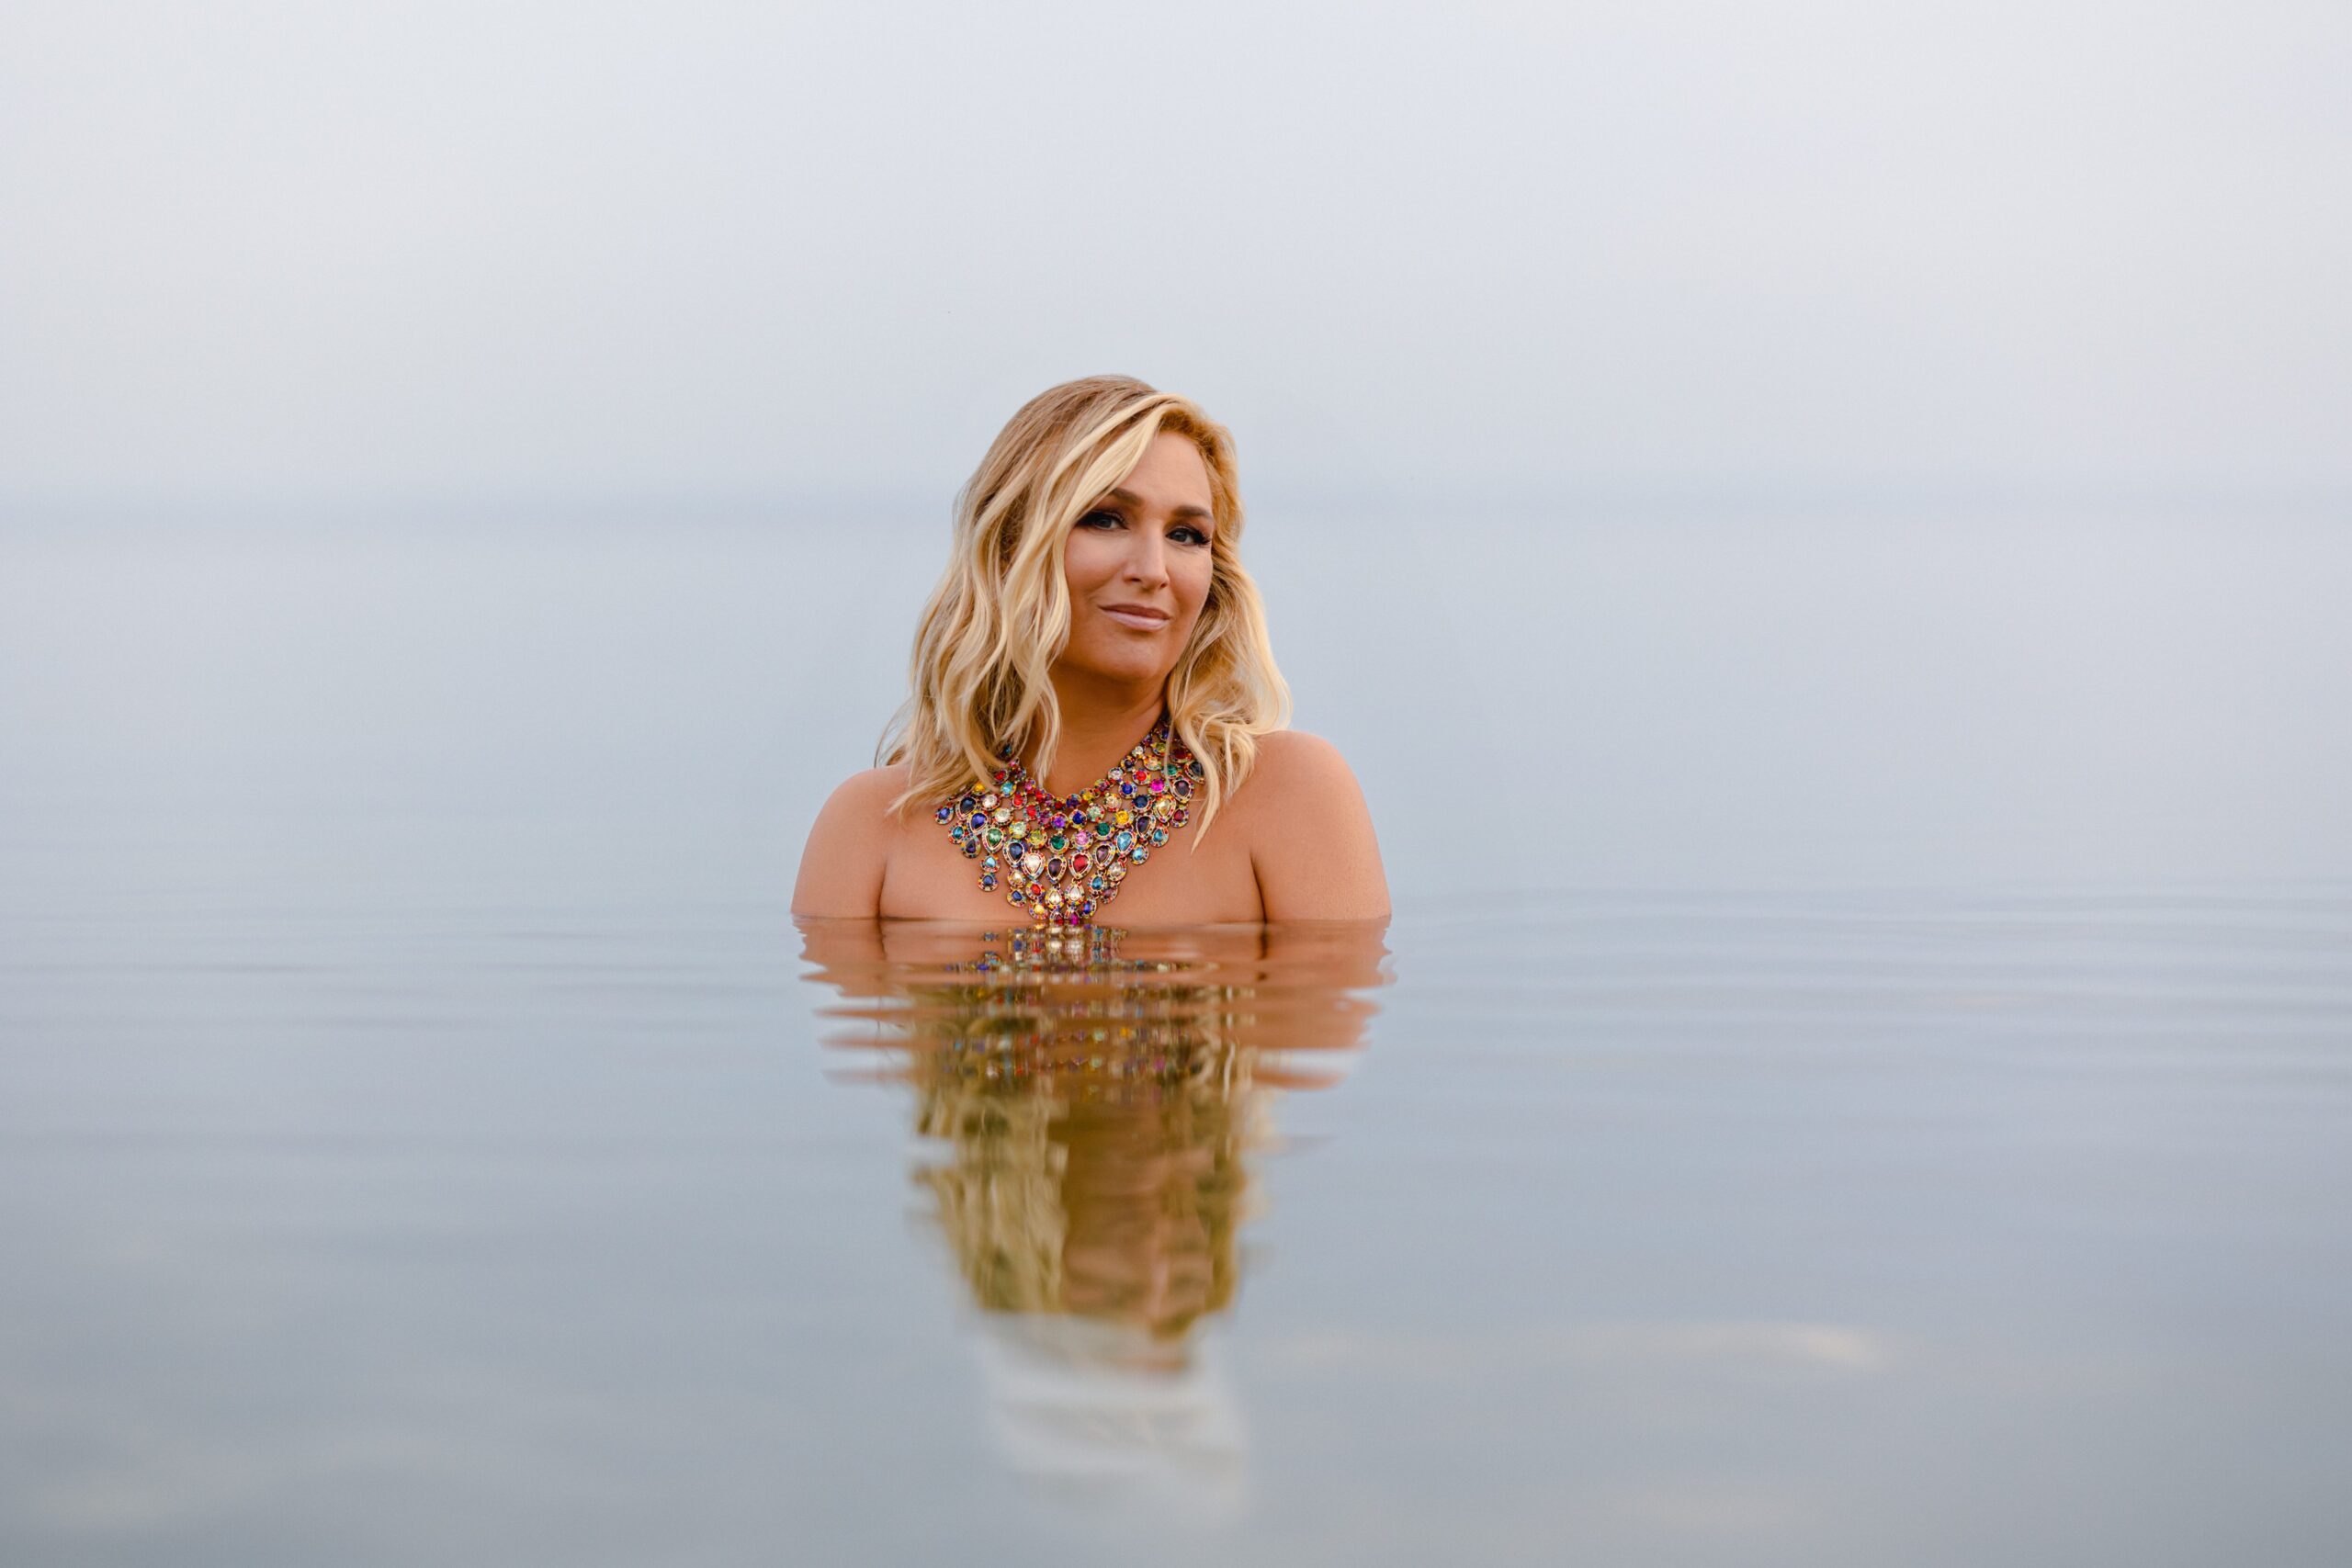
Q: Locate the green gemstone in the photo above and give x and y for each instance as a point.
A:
(996, 835)
(1058, 843)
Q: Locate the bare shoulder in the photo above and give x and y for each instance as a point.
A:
(1311, 839)
(849, 846)
(1291, 764)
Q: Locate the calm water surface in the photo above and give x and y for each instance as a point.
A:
(1651, 1229)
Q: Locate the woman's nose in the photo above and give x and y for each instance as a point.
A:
(1147, 562)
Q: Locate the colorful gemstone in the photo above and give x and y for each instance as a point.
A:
(947, 814)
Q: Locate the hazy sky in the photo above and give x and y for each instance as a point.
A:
(354, 249)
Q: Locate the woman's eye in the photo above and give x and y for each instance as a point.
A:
(1190, 535)
(1100, 519)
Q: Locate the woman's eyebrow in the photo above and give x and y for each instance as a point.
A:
(1134, 500)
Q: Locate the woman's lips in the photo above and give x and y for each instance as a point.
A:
(1134, 616)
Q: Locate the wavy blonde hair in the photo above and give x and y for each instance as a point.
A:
(1000, 617)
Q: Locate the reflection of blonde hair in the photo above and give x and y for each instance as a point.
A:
(1029, 1169)
(1000, 614)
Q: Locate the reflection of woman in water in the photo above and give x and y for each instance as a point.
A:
(1092, 681)
(1103, 1183)
(1091, 1100)
(1094, 1093)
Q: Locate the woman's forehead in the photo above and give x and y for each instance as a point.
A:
(1172, 472)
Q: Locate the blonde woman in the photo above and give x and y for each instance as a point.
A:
(1096, 715)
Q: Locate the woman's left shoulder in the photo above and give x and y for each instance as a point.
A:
(1292, 762)
(1310, 834)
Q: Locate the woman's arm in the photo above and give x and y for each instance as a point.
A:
(1312, 844)
(849, 848)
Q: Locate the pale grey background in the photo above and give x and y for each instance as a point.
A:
(580, 249)
(1812, 443)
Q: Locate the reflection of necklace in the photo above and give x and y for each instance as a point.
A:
(1063, 857)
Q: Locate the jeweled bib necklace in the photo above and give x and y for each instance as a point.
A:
(1061, 858)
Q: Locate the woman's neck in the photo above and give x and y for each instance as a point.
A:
(1099, 724)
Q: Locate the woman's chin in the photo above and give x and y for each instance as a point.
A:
(1126, 672)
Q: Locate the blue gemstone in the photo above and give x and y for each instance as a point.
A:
(988, 881)
(970, 803)
(1018, 895)
(1160, 835)
(1127, 840)
(946, 814)
(1095, 883)
(1140, 855)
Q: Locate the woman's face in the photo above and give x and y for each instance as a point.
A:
(1138, 566)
